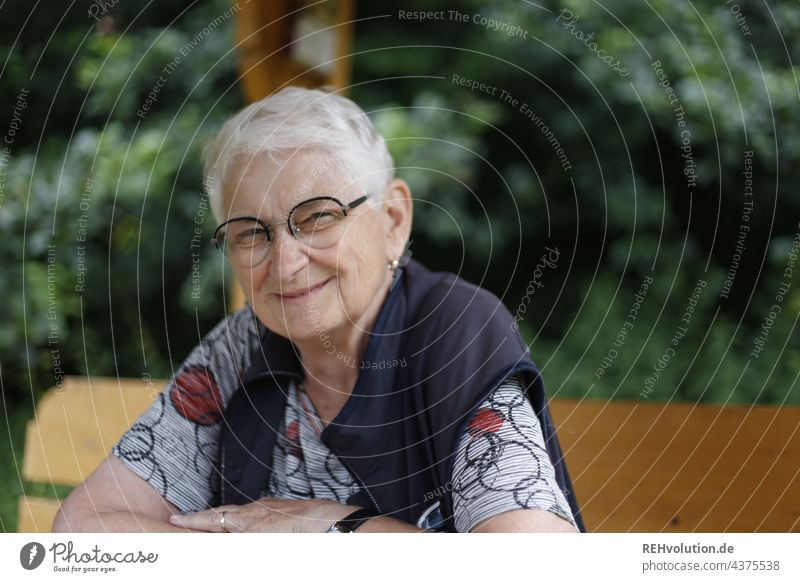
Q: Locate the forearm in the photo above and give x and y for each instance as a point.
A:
(116, 521)
(380, 524)
(386, 524)
(114, 499)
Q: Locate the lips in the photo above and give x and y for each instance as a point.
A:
(293, 295)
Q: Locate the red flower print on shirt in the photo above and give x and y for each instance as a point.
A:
(485, 420)
(293, 436)
(196, 396)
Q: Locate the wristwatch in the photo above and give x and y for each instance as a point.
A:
(353, 521)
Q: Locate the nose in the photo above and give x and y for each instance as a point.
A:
(287, 255)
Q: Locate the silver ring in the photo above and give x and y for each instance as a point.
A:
(222, 521)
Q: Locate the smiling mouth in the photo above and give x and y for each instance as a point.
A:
(302, 294)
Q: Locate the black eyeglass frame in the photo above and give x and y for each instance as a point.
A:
(217, 241)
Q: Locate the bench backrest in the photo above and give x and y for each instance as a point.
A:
(644, 467)
(73, 430)
(659, 467)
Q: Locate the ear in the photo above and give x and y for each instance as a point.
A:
(397, 210)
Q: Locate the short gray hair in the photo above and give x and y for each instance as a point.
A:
(293, 119)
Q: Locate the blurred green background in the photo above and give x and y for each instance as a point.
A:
(492, 193)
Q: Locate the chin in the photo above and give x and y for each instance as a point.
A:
(313, 322)
(304, 320)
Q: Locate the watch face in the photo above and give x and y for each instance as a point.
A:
(431, 518)
(353, 521)
(338, 527)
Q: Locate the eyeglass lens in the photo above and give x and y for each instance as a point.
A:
(317, 223)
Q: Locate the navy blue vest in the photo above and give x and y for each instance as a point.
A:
(439, 347)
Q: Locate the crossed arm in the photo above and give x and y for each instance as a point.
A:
(115, 499)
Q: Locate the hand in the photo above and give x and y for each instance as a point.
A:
(268, 514)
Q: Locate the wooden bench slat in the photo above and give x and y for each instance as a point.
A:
(679, 467)
(36, 514)
(76, 427)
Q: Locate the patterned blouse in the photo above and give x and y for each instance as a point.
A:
(501, 463)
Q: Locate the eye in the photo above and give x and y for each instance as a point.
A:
(320, 217)
(250, 236)
(316, 220)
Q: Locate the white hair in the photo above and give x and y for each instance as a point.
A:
(293, 119)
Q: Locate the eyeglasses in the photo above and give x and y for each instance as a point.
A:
(317, 222)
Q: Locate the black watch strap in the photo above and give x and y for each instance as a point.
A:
(353, 521)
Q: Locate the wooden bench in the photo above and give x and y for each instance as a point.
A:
(73, 430)
(643, 467)
(657, 467)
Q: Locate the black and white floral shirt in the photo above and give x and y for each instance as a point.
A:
(501, 463)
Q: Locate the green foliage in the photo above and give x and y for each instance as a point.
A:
(626, 209)
(113, 203)
(12, 425)
(491, 187)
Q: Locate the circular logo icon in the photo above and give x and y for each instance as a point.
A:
(31, 555)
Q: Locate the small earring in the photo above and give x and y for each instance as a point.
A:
(393, 265)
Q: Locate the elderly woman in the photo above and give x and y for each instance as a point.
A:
(356, 391)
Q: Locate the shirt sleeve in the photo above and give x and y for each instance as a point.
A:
(174, 444)
(502, 462)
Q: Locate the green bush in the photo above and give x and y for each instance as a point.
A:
(102, 219)
(626, 207)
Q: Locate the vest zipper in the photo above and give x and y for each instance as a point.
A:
(357, 478)
(222, 499)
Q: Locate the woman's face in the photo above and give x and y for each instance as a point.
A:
(302, 292)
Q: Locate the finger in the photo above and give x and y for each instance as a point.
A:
(207, 520)
(226, 525)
